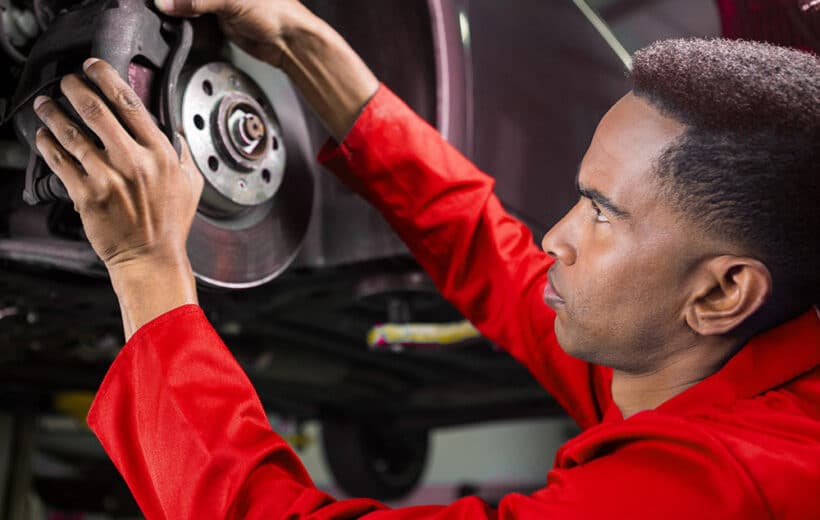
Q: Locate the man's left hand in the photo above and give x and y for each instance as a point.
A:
(137, 199)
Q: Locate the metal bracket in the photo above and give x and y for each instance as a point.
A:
(118, 32)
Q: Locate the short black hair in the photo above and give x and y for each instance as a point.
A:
(746, 167)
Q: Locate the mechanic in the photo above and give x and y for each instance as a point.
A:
(678, 331)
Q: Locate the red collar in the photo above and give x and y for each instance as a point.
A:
(767, 361)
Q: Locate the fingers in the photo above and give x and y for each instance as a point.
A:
(71, 138)
(94, 112)
(123, 99)
(61, 163)
(194, 7)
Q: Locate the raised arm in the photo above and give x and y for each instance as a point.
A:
(482, 260)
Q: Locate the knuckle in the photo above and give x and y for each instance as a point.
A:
(160, 164)
(127, 100)
(81, 152)
(102, 192)
(132, 168)
(167, 159)
(81, 204)
(118, 187)
(235, 9)
(121, 158)
(57, 157)
(90, 109)
(70, 134)
(137, 171)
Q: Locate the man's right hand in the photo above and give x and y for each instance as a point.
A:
(285, 34)
(259, 28)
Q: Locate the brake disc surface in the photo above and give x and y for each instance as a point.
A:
(254, 214)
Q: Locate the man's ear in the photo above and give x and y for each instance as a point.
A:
(727, 290)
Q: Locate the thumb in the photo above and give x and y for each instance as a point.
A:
(189, 167)
(192, 7)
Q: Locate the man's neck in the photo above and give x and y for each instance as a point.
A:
(633, 393)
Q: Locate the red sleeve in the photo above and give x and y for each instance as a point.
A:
(183, 425)
(481, 259)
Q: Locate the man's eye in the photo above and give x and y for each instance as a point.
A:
(599, 215)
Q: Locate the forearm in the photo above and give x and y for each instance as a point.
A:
(327, 71)
(148, 291)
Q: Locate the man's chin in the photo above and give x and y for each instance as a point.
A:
(568, 343)
(564, 341)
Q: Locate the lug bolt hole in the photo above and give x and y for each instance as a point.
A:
(199, 122)
(266, 176)
(275, 143)
(213, 163)
(207, 87)
(242, 184)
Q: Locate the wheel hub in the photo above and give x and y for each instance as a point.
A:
(252, 217)
(234, 137)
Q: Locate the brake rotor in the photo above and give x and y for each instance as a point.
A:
(254, 212)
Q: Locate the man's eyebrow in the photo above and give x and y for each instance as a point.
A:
(601, 200)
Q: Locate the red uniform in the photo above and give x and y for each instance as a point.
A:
(183, 424)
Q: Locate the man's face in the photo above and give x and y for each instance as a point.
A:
(623, 255)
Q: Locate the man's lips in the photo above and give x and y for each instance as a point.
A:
(551, 296)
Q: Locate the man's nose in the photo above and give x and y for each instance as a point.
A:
(558, 241)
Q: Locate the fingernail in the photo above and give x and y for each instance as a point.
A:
(89, 62)
(164, 5)
(38, 101)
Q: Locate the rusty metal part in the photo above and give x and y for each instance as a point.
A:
(171, 72)
(258, 199)
(235, 139)
(133, 38)
(246, 132)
